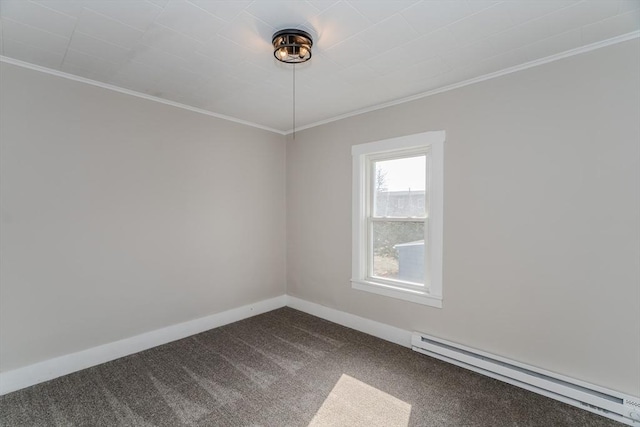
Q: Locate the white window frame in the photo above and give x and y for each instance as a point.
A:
(363, 154)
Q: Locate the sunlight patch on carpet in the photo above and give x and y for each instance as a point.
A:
(354, 403)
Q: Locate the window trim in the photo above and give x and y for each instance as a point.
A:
(433, 142)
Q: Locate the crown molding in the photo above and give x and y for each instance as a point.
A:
(108, 86)
(516, 68)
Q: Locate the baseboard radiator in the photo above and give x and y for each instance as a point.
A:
(608, 403)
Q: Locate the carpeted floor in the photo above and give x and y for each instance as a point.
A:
(283, 368)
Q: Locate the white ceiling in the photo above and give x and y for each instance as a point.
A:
(217, 56)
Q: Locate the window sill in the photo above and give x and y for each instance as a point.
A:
(397, 292)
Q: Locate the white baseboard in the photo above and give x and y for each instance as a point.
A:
(371, 327)
(63, 365)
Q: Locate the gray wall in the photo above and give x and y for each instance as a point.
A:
(542, 208)
(121, 215)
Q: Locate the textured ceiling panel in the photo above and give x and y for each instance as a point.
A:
(216, 55)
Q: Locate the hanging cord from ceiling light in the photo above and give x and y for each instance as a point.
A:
(294, 102)
(292, 46)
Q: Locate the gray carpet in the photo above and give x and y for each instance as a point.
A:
(283, 368)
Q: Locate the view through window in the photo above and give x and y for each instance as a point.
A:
(399, 212)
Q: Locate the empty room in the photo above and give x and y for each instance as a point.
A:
(320, 213)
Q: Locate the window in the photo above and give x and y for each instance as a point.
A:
(398, 217)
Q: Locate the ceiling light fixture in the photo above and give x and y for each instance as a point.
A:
(292, 46)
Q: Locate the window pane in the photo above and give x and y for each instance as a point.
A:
(398, 251)
(399, 187)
